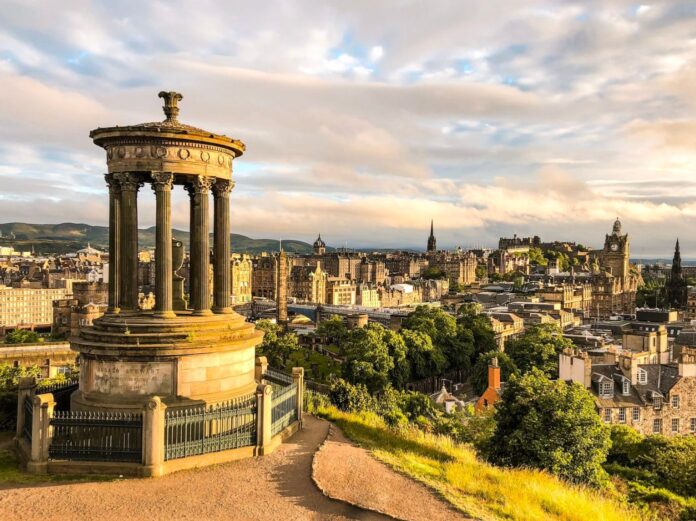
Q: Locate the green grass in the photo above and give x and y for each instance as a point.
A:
(477, 488)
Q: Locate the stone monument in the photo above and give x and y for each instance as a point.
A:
(200, 355)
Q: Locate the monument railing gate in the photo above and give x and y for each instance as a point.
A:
(200, 430)
(28, 417)
(96, 436)
(284, 408)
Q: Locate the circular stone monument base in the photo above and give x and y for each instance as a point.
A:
(187, 360)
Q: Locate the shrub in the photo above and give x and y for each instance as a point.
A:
(350, 398)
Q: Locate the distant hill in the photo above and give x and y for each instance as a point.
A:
(69, 237)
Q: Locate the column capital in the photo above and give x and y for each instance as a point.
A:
(162, 181)
(113, 183)
(199, 184)
(129, 181)
(223, 187)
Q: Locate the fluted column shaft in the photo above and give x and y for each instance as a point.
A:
(199, 190)
(130, 183)
(162, 185)
(221, 230)
(114, 242)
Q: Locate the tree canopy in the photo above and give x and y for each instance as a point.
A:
(550, 425)
(538, 347)
(277, 346)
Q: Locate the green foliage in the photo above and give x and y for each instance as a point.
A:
(22, 336)
(367, 359)
(455, 344)
(536, 257)
(651, 293)
(426, 360)
(333, 329)
(433, 272)
(550, 425)
(481, 272)
(470, 318)
(400, 373)
(349, 397)
(539, 348)
(277, 345)
(10, 375)
(479, 372)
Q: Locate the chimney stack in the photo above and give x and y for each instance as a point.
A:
(494, 374)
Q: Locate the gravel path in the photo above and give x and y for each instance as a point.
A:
(342, 470)
(275, 487)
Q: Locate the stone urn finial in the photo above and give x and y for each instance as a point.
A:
(171, 98)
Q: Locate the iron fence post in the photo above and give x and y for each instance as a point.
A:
(26, 387)
(298, 379)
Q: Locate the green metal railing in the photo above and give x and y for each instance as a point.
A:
(277, 380)
(96, 436)
(199, 430)
(284, 408)
(61, 393)
(28, 416)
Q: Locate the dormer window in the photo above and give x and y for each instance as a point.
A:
(606, 388)
(626, 387)
(642, 376)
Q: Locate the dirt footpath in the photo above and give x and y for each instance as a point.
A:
(347, 472)
(275, 487)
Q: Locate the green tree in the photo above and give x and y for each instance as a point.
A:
(426, 359)
(367, 359)
(400, 374)
(536, 257)
(550, 425)
(538, 347)
(470, 318)
(21, 336)
(334, 330)
(349, 397)
(433, 272)
(277, 346)
(479, 371)
(481, 272)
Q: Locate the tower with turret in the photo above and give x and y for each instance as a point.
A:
(432, 242)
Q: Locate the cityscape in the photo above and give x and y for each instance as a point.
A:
(373, 302)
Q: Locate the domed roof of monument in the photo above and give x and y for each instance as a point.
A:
(319, 243)
(170, 126)
(617, 226)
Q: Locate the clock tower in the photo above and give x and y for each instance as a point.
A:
(616, 253)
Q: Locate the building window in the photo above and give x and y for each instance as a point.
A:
(607, 389)
(622, 415)
(692, 425)
(657, 402)
(642, 377)
(607, 415)
(657, 426)
(675, 401)
(636, 414)
(626, 386)
(675, 425)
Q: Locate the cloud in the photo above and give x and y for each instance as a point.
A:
(367, 119)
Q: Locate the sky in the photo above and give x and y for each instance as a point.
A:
(364, 120)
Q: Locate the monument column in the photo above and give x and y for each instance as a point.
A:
(114, 242)
(162, 185)
(199, 189)
(221, 255)
(130, 183)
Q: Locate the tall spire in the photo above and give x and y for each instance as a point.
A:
(432, 243)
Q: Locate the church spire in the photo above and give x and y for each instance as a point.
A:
(432, 243)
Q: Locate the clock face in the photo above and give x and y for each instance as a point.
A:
(614, 247)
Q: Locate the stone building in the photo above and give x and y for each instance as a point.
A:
(263, 276)
(615, 287)
(651, 398)
(308, 283)
(241, 270)
(319, 247)
(459, 267)
(576, 298)
(342, 264)
(367, 296)
(89, 302)
(28, 307)
(340, 292)
(372, 271)
(501, 262)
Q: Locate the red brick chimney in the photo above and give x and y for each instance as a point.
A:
(494, 374)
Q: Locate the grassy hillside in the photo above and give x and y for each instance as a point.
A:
(476, 488)
(67, 237)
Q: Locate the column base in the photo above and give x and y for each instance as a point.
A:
(37, 467)
(223, 311)
(165, 314)
(201, 312)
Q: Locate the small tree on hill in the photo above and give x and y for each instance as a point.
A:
(550, 425)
